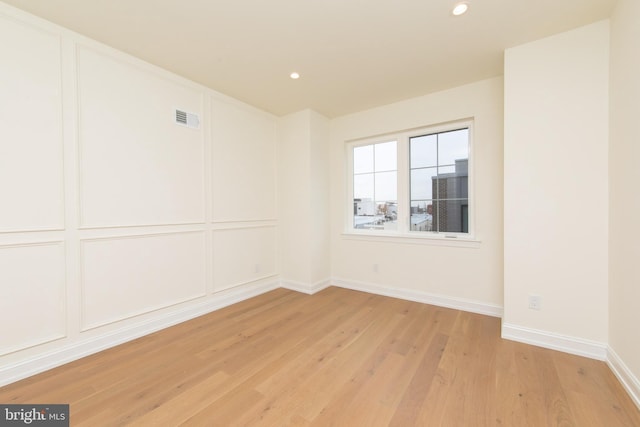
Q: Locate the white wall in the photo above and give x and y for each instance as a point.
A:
(115, 220)
(136, 166)
(320, 173)
(303, 190)
(624, 175)
(31, 121)
(294, 196)
(244, 197)
(465, 276)
(556, 186)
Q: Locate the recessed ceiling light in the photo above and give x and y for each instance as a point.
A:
(294, 75)
(460, 9)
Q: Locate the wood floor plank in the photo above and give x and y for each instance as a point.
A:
(556, 403)
(350, 372)
(185, 405)
(416, 393)
(336, 358)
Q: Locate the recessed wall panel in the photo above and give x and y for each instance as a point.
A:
(127, 276)
(31, 151)
(243, 255)
(137, 166)
(32, 306)
(244, 163)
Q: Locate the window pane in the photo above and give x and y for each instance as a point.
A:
(442, 170)
(422, 215)
(452, 216)
(387, 212)
(364, 213)
(454, 183)
(375, 215)
(424, 151)
(385, 156)
(363, 159)
(453, 146)
(423, 182)
(386, 186)
(363, 186)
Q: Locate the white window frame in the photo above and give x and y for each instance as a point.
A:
(403, 232)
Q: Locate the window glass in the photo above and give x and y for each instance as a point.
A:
(363, 159)
(386, 186)
(363, 186)
(375, 186)
(453, 146)
(439, 194)
(423, 183)
(424, 151)
(386, 157)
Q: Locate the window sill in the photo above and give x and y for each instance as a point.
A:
(411, 239)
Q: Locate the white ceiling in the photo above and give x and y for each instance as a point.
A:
(352, 54)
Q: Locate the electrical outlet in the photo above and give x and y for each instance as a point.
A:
(535, 302)
(375, 268)
(256, 268)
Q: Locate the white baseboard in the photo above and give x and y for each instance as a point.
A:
(76, 350)
(629, 381)
(305, 287)
(422, 297)
(567, 344)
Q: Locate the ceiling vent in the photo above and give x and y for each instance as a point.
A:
(185, 118)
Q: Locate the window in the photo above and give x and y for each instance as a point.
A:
(415, 183)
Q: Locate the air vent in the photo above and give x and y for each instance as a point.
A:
(185, 118)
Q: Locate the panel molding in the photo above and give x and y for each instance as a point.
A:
(243, 225)
(254, 266)
(629, 381)
(129, 226)
(53, 242)
(567, 344)
(139, 235)
(135, 231)
(421, 296)
(32, 238)
(248, 282)
(250, 223)
(32, 344)
(84, 326)
(225, 221)
(53, 337)
(143, 67)
(90, 345)
(30, 22)
(267, 141)
(31, 229)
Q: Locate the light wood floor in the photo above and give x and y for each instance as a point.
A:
(337, 358)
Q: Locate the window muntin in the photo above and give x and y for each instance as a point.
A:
(430, 170)
(375, 186)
